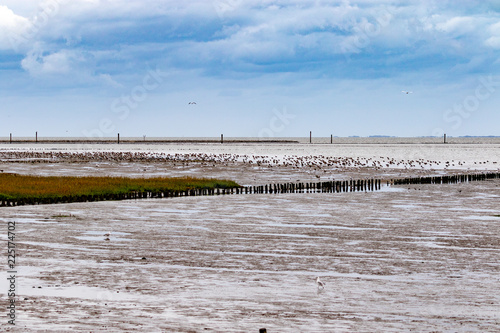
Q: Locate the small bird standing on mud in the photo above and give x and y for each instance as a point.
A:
(321, 284)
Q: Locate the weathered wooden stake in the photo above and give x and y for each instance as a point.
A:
(331, 138)
(310, 136)
(118, 138)
(445, 138)
(10, 137)
(36, 136)
(222, 138)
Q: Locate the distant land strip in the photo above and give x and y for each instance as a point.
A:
(138, 141)
(352, 140)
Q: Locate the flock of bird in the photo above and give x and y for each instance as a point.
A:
(308, 162)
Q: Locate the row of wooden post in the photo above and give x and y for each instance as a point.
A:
(330, 187)
(453, 179)
(123, 196)
(319, 187)
(221, 138)
(36, 137)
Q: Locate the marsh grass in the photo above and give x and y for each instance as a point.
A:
(19, 187)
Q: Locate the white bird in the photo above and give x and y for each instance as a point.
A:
(407, 92)
(321, 284)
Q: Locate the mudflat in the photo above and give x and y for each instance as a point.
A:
(418, 257)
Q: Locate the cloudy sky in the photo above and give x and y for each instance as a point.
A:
(254, 67)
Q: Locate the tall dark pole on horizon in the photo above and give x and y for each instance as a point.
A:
(10, 137)
(310, 136)
(36, 136)
(118, 138)
(445, 138)
(331, 138)
(222, 138)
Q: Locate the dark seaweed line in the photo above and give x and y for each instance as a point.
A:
(319, 187)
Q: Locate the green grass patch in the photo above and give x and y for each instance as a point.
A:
(18, 187)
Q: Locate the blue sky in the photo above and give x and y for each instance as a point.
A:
(254, 68)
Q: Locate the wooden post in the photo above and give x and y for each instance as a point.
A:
(36, 136)
(118, 138)
(445, 138)
(10, 137)
(310, 136)
(331, 138)
(222, 138)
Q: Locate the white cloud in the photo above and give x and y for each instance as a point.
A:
(457, 26)
(199, 34)
(25, 31)
(23, 8)
(494, 40)
(59, 63)
(12, 27)
(8, 19)
(109, 81)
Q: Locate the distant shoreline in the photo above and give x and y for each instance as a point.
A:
(128, 141)
(372, 140)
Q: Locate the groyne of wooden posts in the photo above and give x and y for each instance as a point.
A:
(364, 184)
(339, 186)
(451, 179)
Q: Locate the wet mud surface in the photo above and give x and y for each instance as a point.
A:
(422, 258)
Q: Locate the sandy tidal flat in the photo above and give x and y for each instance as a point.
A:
(423, 259)
(410, 258)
